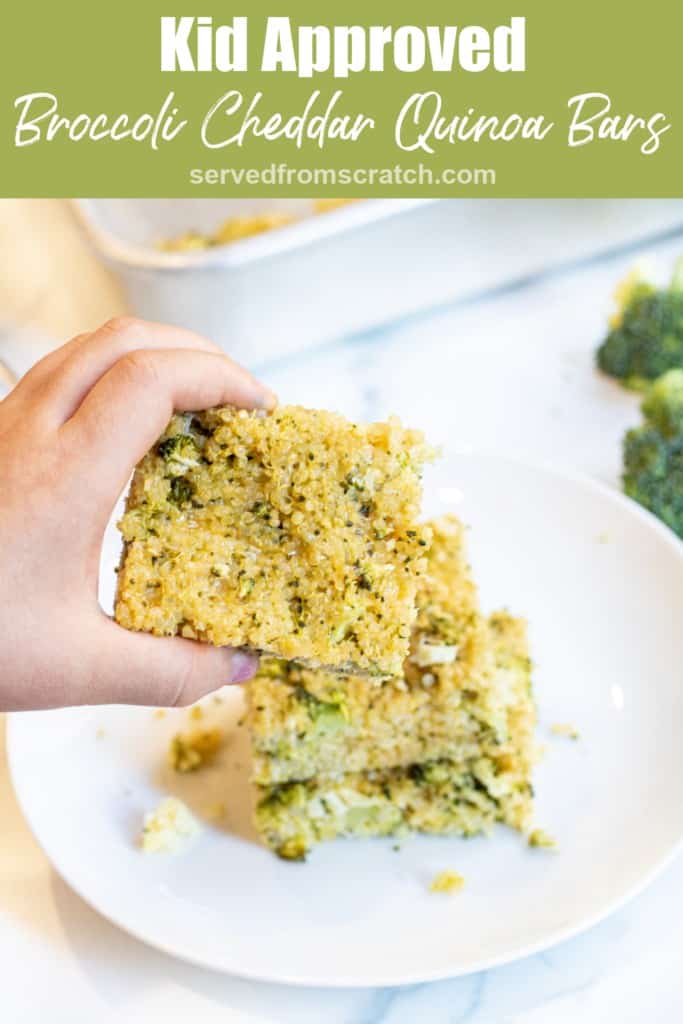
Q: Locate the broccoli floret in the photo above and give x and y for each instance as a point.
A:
(663, 404)
(180, 453)
(328, 717)
(653, 452)
(647, 338)
(180, 491)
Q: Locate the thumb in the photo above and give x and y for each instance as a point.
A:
(136, 668)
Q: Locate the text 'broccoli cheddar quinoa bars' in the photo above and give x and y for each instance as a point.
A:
(462, 794)
(292, 533)
(446, 748)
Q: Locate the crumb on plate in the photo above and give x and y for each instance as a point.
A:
(216, 811)
(447, 881)
(166, 828)
(565, 729)
(190, 751)
(540, 839)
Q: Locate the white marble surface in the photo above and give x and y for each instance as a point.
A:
(511, 371)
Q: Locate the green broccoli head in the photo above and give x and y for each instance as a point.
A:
(663, 404)
(180, 453)
(653, 470)
(327, 716)
(647, 340)
(180, 490)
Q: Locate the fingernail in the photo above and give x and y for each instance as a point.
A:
(242, 666)
(268, 399)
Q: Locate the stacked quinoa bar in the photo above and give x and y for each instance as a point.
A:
(446, 747)
(385, 702)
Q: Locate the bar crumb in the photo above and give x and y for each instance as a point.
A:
(540, 839)
(566, 730)
(166, 828)
(189, 752)
(214, 812)
(447, 881)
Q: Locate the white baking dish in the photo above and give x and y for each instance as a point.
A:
(361, 265)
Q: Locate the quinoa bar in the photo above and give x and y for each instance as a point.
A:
(306, 723)
(461, 795)
(292, 533)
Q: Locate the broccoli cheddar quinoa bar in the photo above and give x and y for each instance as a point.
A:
(292, 533)
(463, 794)
(305, 723)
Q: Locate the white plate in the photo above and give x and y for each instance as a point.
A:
(602, 585)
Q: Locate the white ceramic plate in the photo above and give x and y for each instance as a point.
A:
(602, 585)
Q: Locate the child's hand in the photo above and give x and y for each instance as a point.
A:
(70, 434)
